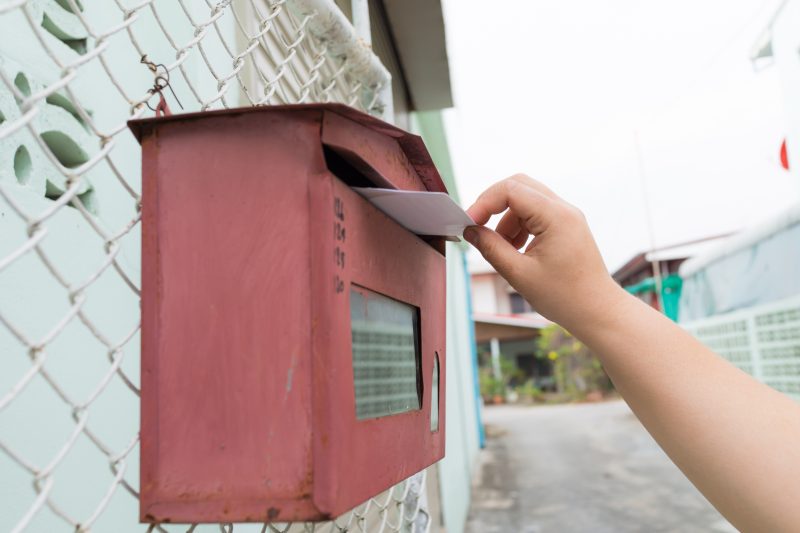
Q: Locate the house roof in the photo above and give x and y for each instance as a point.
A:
(634, 265)
(742, 240)
(507, 327)
(683, 250)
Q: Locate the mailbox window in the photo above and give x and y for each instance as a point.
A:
(386, 354)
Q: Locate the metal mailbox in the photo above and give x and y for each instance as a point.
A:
(293, 336)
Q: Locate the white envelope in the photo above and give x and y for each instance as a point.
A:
(420, 212)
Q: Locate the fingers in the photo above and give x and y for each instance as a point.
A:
(533, 208)
(511, 230)
(496, 250)
(534, 184)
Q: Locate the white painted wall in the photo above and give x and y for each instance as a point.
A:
(490, 294)
(483, 295)
(38, 424)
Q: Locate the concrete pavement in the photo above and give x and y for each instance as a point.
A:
(581, 468)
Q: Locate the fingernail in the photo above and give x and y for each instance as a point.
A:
(471, 236)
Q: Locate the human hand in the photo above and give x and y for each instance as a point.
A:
(561, 273)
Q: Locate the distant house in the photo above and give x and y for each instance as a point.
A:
(742, 299)
(507, 326)
(755, 267)
(646, 272)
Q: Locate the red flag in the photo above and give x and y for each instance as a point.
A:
(784, 156)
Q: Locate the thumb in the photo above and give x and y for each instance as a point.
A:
(495, 249)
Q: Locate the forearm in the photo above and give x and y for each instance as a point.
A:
(735, 438)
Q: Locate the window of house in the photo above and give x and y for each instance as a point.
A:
(518, 304)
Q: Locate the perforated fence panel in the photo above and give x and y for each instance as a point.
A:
(73, 72)
(763, 341)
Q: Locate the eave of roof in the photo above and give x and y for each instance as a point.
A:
(633, 266)
(742, 240)
(418, 33)
(520, 321)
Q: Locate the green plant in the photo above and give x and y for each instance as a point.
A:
(509, 370)
(490, 385)
(529, 392)
(577, 371)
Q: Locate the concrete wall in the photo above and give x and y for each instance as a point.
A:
(38, 424)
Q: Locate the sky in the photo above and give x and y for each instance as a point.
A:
(561, 89)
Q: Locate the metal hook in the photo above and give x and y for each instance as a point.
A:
(161, 81)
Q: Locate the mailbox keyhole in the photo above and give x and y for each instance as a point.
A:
(435, 394)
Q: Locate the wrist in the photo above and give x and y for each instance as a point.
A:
(596, 308)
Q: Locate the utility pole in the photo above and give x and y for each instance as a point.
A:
(649, 220)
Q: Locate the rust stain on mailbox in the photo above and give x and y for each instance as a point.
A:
(289, 328)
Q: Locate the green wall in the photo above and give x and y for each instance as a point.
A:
(464, 428)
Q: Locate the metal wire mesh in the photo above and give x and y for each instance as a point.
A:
(72, 75)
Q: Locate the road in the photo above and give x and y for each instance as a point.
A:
(581, 468)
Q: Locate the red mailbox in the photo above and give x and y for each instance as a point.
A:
(293, 336)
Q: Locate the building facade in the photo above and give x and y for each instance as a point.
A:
(506, 329)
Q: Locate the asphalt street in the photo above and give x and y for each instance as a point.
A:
(581, 468)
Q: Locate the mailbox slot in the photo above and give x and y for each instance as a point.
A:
(352, 170)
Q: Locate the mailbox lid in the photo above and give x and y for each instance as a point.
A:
(337, 131)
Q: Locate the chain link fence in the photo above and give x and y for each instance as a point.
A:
(72, 73)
